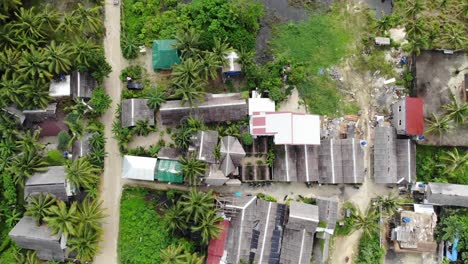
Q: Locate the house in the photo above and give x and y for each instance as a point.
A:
(82, 146)
(328, 215)
(60, 87)
(164, 54)
(232, 66)
(170, 153)
(287, 128)
(259, 104)
(446, 194)
(139, 168)
(215, 108)
(52, 181)
(415, 231)
(216, 252)
(48, 120)
(232, 154)
(204, 145)
(214, 176)
(28, 235)
(298, 236)
(394, 159)
(82, 84)
(39, 115)
(134, 110)
(382, 41)
(341, 161)
(296, 163)
(168, 170)
(408, 116)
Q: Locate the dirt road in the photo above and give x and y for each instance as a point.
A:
(110, 184)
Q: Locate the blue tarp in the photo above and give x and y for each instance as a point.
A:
(454, 254)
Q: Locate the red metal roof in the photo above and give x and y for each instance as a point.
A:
(216, 247)
(414, 116)
(50, 128)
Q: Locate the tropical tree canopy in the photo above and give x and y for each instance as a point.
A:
(62, 219)
(81, 173)
(38, 206)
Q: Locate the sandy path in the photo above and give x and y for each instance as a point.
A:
(110, 185)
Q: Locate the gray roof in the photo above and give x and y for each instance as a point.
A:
(170, 153)
(81, 147)
(215, 108)
(303, 216)
(82, 84)
(296, 246)
(215, 177)
(328, 210)
(15, 112)
(30, 236)
(232, 154)
(205, 144)
(341, 161)
(447, 194)
(284, 165)
(406, 160)
(38, 115)
(254, 172)
(52, 181)
(296, 163)
(134, 110)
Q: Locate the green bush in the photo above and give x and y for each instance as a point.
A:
(369, 251)
(247, 139)
(63, 140)
(100, 101)
(55, 158)
(266, 197)
(135, 71)
(348, 222)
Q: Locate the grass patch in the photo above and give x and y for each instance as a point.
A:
(347, 227)
(369, 251)
(318, 43)
(143, 232)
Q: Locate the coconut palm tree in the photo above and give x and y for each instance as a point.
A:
(368, 222)
(58, 57)
(29, 141)
(192, 169)
(85, 243)
(438, 126)
(456, 110)
(176, 218)
(196, 204)
(25, 165)
(192, 258)
(38, 205)
(68, 25)
(183, 137)
(8, 37)
(208, 226)
(37, 95)
(88, 18)
(81, 173)
(34, 64)
(389, 204)
(12, 217)
(49, 17)
(454, 161)
(12, 90)
(62, 219)
(30, 23)
(142, 128)
(383, 24)
(210, 66)
(28, 258)
(130, 46)
(188, 42)
(172, 254)
(454, 36)
(191, 93)
(81, 49)
(220, 49)
(90, 214)
(187, 72)
(413, 8)
(9, 61)
(156, 98)
(7, 5)
(416, 29)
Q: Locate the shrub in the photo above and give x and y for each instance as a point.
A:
(266, 197)
(135, 71)
(100, 101)
(63, 140)
(55, 157)
(247, 139)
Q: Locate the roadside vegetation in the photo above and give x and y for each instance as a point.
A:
(453, 224)
(166, 227)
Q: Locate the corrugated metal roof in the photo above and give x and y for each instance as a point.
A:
(134, 110)
(138, 168)
(216, 246)
(414, 116)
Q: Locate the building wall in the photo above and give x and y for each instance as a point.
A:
(58, 190)
(399, 116)
(47, 249)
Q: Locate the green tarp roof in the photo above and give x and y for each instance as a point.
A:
(164, 54)
(169, 171)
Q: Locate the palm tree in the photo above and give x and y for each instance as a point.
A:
(9, 61)
(183, 137)
(29, 141)
(38, 206)
(191, 93)
(25, 165)
(68, 25)
(34, 65)
(13, 90)
(77, 127)
(196, 204)
(130, 47)
(454, 36)
(28, 258)
(438, 126)
(383, 24)
(156, 98)
(88, 18)
(176, 218)
(454, 161)
(414, 7)
(208, 226)
(81, 173)
(389, 204)
(37, 95)
(220, 49)
(192, 258)
(416, 29)
(192, 169)
(369, 222)
(142, 127)
(30, 23)
(81, 50)
(456, 110)
(12, 217)
(84, 243)
(57, 56)
(246, 58)
(187, 72)
(8, 37)
(62, 219)
(210, 66)
(188, 42)
(172, 254)
(7, 5)
(90, 214)
(49, 17)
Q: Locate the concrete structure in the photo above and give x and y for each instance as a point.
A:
(60, 88)
(134, 110)
(408, 116)
(259, 104)
(446, 194)
(52, 181)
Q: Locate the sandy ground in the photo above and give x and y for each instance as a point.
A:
(110, 185)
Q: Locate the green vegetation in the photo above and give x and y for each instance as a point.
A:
(348, 222)
(266, 197)
(453, 223)
(442, 164)
(369, 250)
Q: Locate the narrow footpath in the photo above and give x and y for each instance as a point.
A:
(110, 184)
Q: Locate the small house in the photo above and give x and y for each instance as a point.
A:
(28, 235)
(169, 171)
(216, 251)
(52, 181)
(231, 67)
(296, 163)
(81, 146)
(170, 153)
(446, 194)
(165, 55)
(215, 108)
(232, 154)
(408, 116)
(139, 168)
(134, 110)
(82, 84)
(214, 176)
(204, 145)
(46, 120)
(60, 87)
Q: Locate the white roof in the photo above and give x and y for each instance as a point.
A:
(287, 128)
(424, 208)
(138, 168)
(261, 105)
(60, 89)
